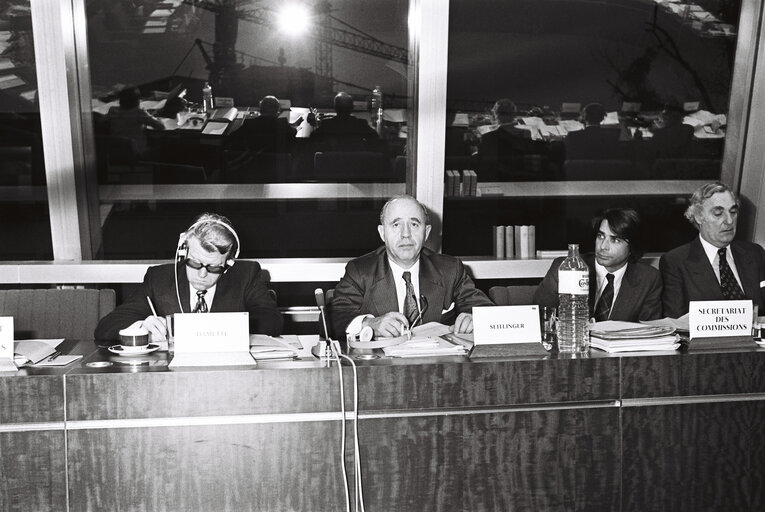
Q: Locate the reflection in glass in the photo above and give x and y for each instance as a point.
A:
(583, 91)
(23, 203)
(312, 95)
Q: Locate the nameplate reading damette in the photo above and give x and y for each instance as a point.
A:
(211, 339)
(6, 337)
(720, 318)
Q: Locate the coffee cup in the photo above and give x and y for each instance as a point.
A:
(134, 338)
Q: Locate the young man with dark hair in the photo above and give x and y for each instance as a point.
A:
(621, 288)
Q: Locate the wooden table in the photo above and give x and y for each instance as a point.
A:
(679, 431)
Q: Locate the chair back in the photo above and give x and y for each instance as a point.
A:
(601, 170)
(520, 295)
(54, 313)
(354, 166)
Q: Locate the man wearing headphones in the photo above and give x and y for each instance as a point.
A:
(203, 278)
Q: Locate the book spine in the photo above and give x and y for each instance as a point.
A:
(524, 242)
(499, 241)
(509, 242)
(532, 241)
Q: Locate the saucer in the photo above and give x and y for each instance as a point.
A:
(119, 350)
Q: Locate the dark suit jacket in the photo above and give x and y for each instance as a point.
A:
(344, 133)
(593, 143)
(688, 275)
(639, 295)
(242, 288)
(264, 134)
(368, 288)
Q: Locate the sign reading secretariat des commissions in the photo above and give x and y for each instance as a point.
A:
(720, 318)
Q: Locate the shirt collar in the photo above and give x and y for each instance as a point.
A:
(710, 250)
(398, 270)
(601, 271)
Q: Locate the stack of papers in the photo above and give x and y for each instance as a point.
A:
(267, 347)
(613, 336)
(425, 346)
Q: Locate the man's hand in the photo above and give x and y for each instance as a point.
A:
(463, 324)
(157, 328)
(389, 325)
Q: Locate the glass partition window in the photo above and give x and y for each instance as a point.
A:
(261, 110)
(545, 91)
(23, 197)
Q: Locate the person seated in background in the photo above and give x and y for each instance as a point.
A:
(206, 277)
(343, 132)
(507, 145)
(267, 133)
(594, 142)
(621, 287)
(129, 121)
(672, 138)
(381, 288)
(713, 266)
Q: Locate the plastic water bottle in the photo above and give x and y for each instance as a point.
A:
(207, 98)
(377, 108)
(573, 311)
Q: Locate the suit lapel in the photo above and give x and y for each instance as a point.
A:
(701, 270)
(747, 270)
(384, 295)
(183, 288)
(432, 288)
(627, 293)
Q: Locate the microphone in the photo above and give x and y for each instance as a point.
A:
(320, 349)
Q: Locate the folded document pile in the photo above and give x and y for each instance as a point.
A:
(612, 336)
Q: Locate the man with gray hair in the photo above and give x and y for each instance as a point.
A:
(402, 283)
(206, 276)
(713, 266)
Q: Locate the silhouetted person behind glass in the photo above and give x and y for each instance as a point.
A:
(594, 142)
(507, 146)
(267, 133)
(673, 138)
(343, 132)
(129, 120)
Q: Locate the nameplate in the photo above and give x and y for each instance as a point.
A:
(6, 337)
(207, 332)
(499, 325)
(720, 318)
(223, 101)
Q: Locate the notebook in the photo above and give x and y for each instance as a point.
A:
(212, 339)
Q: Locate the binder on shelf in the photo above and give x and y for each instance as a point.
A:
(523, 248)
(499, 241)
(509, 242)
(518, 241)
(532, 241)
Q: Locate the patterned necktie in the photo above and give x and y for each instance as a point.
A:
(728, 284)
(201, 306)
(603, 308)
(411, 311)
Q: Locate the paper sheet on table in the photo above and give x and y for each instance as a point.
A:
(612, 118)
(427, 340)
(269, 347)
(61, 360)
(36, 350)
(680, 324)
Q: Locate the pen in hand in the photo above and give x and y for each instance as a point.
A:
(151, 305)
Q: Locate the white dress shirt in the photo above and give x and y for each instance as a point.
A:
(209, 296)
(354, 327)
(600, 276)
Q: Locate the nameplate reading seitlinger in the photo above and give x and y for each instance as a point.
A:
(720, 318)
(6, 337)
(500, 325)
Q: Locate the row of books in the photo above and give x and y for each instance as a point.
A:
(461, 185)
(515, 242)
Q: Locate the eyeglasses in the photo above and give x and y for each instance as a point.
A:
(212, 269)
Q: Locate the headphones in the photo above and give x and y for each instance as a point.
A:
(183, 246)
